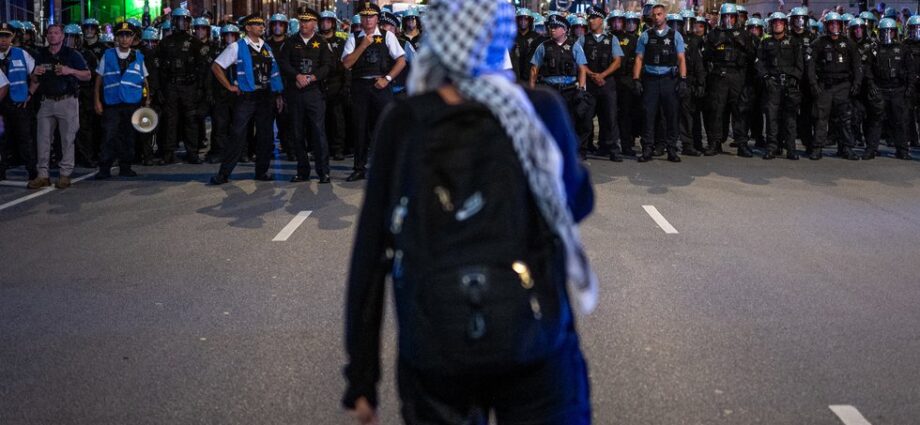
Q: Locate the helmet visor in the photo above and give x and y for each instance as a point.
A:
(797, 22)
(632, 25)
(887, 36)
(914, 32)
(727, 21)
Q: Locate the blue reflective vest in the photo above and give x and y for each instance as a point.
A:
(18, 75)
(123, 88)
(244, 76)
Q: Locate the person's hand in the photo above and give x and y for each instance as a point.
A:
(815, 90)
(39, 70)
(854, 90)
(236, 90)
(364, 413)
(873, 91)
(98, 108)
(148, 101)
(637, 87)
(381, 83)
(302, 81)
(598, 80)
(63, 70)
(279, 103)
(682, 89)
(368, 40)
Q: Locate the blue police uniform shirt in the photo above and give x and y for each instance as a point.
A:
(615, 48)
(580, 60)
(659, 70)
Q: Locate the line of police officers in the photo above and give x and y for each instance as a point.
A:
(667, 77)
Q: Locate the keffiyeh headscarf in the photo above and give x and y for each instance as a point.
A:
(465, 44)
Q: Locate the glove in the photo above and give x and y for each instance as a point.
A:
(854, 90)
(815, 90)
(909, 93)
(637, 87)
(682, 89)
(873, 91)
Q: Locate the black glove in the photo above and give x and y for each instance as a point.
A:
(637, 87)
(682, 89)
(699, 90)
(873, 91)
(815, 90)
(855, 89)
(909, 93)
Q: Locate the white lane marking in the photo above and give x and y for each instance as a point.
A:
(849, 415)
(44, 191)
(288, 230)
(13, 183)
(659, 219)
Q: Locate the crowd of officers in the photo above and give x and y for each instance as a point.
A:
(669, 78)
(664, 78)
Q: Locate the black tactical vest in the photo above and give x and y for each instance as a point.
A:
(725, 47)
(522, 52)
(780, 56)
(889, 66)
(261, 67)
(558, 60)
(832, 58)
(660, 49)
(180, 52)
(599, 52)
(628, 43)
(375, 61)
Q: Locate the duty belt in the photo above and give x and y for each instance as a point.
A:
(560, 87)
(57, 98)
(784, 79)
(184, 80)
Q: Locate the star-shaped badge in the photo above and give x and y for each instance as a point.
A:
(667, 42)
(378, 39)
(315, 44)
(843, 44)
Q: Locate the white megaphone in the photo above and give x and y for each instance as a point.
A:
(145, 120)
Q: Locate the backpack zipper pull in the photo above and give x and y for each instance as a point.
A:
(399, 213)
(523, 273)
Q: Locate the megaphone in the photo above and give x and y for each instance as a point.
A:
(145, 120)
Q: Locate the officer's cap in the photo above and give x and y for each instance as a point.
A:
(595, 12)
(6, 29)
(389, 18)
(230, 29)
(253, 19)
(124, 27)
(72, 29)
(557, 21)
(369, 9)
(308, 15)
(887, 24)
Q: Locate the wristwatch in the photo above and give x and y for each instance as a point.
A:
(389, 78)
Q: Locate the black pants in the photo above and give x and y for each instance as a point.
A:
(19, 138)
(867, 112)
(895, 111)
(605, 109)
(221, 115)
(913, 118)
(257, 107)
(781, 106)
(180, 109)
(335, 122)
(753, 104)
(660, 92)
(307, 112)
(554, 392)
(804, 125)
(87, 143)
(367, 104)
(724, 95)
(691, 123)
(833, 100)
(630, 115)
(118, 135)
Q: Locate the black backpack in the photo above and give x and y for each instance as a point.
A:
(478, 275)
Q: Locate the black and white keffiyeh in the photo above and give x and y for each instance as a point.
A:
(466, 42)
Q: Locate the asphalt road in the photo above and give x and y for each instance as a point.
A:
(788, 287)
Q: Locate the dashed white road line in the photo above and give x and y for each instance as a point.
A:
(849, 415)
(288, 230)
(659, 219)
(42, 192)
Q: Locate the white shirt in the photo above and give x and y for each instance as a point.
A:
(396, 51)
(3, 81)
(228, 56)
(121, 55)
(30, 62)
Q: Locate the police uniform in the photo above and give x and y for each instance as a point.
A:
(335, 86)
(629, 105)
(259, 81)
(836, 73)
(313, 59)
(913, 105)
(890, 70)
(222, 111)
(283, 117)
(692, 105)
(804, 124)
(18, 117)
(728, 54)
(184, 61)
(522, 51)
(88, 141)
(867, 105)
(660, 85)
(780, 67)
(376, 61)
(122, 83)
(601, 51)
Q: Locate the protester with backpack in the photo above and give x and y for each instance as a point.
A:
(471, 208)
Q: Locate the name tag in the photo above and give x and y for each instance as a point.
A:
(17, 62)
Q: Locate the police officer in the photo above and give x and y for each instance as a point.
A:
(867, 105)
(728, 52)
(222, 99)
(375, 59)
(578, 26)
(390, 22)
(912, 44)
(412, 27)
(525, 42)
(753, 102)
(18, 119)
(780, 67)
(278, 25)
(560, 63)
(335, 85)
(305, 61)
(91, 39)
(836, 71)
(150, 39)
(87, 141)
(871, 24)
(802, 34)
(604, 57)
(691, 121)
(890, 68)
(119, 92)
(184, 61)
(257, 86)
(624, 26)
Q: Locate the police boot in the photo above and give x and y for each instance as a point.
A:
(904, 154)
(658, 151)
(646, 155)
(815, 154)
(672, 155)
(850, 154)
(792, 155)
(629, 151)
(689, 150)
(105, 171)
(126, 171)
(769, 153)
(711, 150)
(869, 154)
(744, 151)
(616, 157)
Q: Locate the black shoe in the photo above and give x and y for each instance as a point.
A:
(711, 151)
(218, 180)
(815, 155)
(583, 155)
(792, 155)
(355, 176)
(338, 156)
(264, 177)
(852, 156)
(126, 172)
(212, 159)
(105, 172)
(169, 160)
(629, 152)
(615, 157)
(245, 159)
(769, 154)
(745, 152)
(300, 179)
(778, 152)
(2, 174)
(646, 157)
(689, 151)
(903, 155)
(869, 154)
(673, 157)
(193, 159)
(324, 179)
(658, 152)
